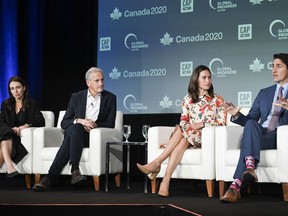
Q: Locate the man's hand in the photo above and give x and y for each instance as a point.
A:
(232, 109)
(87, 123)
(283, 103)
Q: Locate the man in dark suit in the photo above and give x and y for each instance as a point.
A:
(87, 109)
(260, 127)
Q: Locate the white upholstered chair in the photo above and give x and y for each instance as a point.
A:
(25, 166)
(92, 162)
(195, 164)
(273, 166)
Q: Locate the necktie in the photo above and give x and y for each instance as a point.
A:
(276, 113)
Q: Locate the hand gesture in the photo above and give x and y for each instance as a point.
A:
(231, 109)
(283, 103)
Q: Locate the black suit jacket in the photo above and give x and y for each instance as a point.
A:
(77, 109)
(32, 115)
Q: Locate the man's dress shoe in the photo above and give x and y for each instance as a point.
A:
(42, 186)
(77, 177)
(231, 196)
(249, 176)
(13, 174)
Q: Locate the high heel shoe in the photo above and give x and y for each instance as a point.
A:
(162, 192)
(153, 173)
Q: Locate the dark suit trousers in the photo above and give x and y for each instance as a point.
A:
(75, 138)
(255, 138)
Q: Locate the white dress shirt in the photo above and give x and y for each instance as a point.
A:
(92, 106)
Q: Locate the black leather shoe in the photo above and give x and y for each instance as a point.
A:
(13, 174)
(77, 177)
(249, 176)
(42, 186)
(231, 196)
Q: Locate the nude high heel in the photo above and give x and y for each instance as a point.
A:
(153, 173)
(162, 192)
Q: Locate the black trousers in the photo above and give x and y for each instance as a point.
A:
(75, 139)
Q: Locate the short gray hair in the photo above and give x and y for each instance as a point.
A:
(92, 70)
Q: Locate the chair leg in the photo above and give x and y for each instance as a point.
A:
(221, 188)
(118, 180)
(37, 178)
(96, 180)
(210, 187)
(154, 185)
(28, 181)
(285, 191)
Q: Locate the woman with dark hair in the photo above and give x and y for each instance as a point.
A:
(201, 107)
(19, 111)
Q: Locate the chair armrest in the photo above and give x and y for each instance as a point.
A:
(226, 138)
(208, 152)
(282, 152)
(156, 136)
(45, 137)
(27, 138)
(27, 141)
(97, 143)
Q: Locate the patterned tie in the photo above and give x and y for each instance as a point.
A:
(276, 112)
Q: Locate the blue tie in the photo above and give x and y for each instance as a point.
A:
(276, 113)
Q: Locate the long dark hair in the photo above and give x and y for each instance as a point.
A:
(193, 89)
(10, 102)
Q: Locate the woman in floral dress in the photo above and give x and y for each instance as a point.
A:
(201, 107)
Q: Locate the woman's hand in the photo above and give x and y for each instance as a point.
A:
(16, 131)
(23, 126)
(198, 125)
(283, 103)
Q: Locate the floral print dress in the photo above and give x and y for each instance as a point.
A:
(208, 110)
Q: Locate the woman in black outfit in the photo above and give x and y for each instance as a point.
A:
(19, 111)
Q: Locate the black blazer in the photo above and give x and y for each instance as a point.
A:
(77, 109)
(32, 115)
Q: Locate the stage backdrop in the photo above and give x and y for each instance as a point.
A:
(149, 48)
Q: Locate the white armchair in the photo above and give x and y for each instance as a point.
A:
(195, 164)
(92, 162)
(273, 166)
(25, 166)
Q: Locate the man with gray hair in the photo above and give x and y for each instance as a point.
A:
(87, 109)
